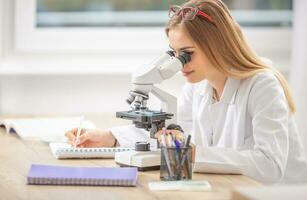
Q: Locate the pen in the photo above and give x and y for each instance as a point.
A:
(166, 156)
(169, 141)
(187, 143)
(78, 132)
(183, 158)
(177, 144)
(177, 155)
(173, 140)
(163, 141)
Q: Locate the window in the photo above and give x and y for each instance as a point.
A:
(130, 29)
(149, 13)
(48, 26)
(269, 13)
(100, 13)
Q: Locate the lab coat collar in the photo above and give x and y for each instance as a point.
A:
(204, 88)
(229, 93)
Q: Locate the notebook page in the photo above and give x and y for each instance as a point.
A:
(64, 150)
(46, 129)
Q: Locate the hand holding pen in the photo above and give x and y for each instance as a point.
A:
(89, 138)
(78, 133)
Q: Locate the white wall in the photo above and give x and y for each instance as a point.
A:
(35, 95)
(40, 93)
(1, 28)
(47, 94)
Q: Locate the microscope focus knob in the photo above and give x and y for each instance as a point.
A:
(142, 146)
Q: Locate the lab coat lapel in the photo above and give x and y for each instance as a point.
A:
(203, 123)
(222, 113)
(230, 91)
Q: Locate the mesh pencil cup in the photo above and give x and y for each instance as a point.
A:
(176, 163)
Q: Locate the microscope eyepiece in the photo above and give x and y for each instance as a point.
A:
(184, 58)
(171, 53)
(130, 98)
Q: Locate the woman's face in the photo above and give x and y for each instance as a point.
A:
(199, 68)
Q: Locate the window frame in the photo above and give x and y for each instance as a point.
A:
(28, 38)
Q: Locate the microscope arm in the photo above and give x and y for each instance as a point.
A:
(168, 103)
(144, 78)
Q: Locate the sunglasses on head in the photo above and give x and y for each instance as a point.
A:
(187, 13)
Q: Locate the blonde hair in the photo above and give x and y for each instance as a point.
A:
(224, 44)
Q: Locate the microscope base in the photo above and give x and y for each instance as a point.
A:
(143, 160)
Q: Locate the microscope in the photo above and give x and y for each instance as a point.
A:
(144, 80)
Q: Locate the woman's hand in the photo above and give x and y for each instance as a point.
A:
(178, 136)
(90, 138)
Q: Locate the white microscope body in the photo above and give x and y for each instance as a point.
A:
(144, 80)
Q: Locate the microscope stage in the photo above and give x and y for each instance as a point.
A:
(139, 115)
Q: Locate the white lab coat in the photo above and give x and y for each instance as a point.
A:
(249, 131)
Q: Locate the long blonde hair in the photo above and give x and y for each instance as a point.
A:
(224, 44)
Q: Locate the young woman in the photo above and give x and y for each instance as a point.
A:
(238, 109)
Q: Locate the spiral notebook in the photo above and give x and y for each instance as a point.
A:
(63, 175)
(64, 150)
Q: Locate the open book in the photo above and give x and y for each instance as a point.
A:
(45, 129)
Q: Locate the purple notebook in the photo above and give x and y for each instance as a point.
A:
(60, 175)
